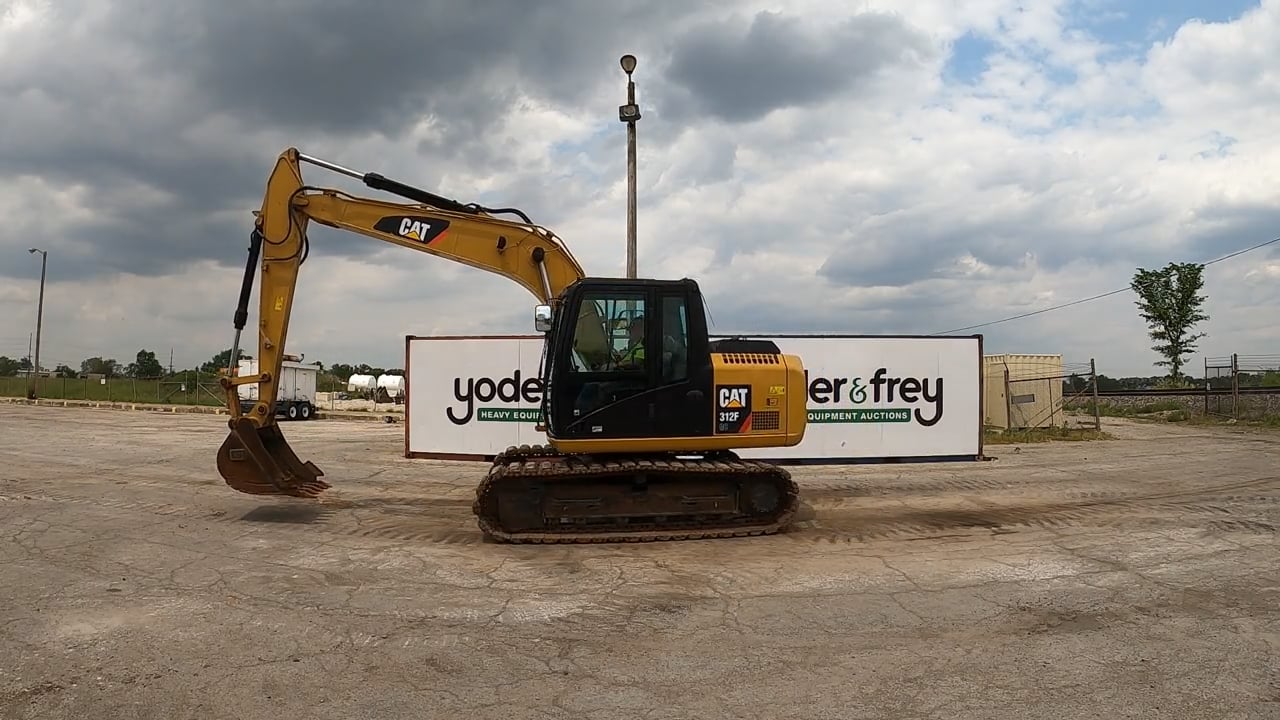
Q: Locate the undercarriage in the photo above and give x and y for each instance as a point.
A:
(536, 494)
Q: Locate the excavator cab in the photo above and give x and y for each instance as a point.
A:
(651, 377)
(668, 386)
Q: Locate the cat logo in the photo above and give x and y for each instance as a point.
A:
(419, 228)
(733, 409)
(777, 389)
(733, 397)
(414, 229)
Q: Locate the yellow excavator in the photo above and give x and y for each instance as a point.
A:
(642, 411)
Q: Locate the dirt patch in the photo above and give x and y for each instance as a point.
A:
(1140, 568)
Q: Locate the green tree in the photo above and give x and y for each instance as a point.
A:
(342, 371)
(1169, 300)
(147, 366)
(101, 366)
(219, 361)
(8, 366)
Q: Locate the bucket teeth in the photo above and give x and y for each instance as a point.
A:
(259, 461)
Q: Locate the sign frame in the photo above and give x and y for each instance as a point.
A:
(977, 339)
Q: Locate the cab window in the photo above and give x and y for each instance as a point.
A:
(609, 333)
(675, 339)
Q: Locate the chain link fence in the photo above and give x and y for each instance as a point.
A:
(1226, 376)
(189, 388)
(1040, 391)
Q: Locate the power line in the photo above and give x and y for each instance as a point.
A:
(1097, 297)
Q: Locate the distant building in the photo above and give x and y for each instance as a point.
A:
(43, 373)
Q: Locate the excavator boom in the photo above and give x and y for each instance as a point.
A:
(638, 448)
(255, 458)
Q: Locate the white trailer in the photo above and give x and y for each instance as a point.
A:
(295, 392)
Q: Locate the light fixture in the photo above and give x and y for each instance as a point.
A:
(628, 64)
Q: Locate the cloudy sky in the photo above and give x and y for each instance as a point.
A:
(869, 167)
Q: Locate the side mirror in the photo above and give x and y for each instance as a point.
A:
(542, 318)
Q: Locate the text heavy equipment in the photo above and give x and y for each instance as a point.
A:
(642, 411)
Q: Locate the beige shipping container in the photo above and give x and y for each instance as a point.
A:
(1028, 396)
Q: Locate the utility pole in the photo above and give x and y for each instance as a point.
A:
(35, 379)
(629, 114)
(1097, 412)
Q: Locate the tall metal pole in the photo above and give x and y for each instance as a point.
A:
(1235, 386)
(35, 367)
(629, 114)
(631, 198)
(1097, 411)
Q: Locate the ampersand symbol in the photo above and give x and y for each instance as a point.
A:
(857, 392)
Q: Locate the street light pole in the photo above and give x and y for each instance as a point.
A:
(35, 366)
(629, 114)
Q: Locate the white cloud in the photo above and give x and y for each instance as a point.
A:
(908, 206)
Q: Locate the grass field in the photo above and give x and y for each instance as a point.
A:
(193, 391)
(190, 388)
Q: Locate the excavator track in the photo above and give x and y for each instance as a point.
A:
(536, 494)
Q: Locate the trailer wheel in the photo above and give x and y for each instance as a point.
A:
(292, 412)
(306, 411)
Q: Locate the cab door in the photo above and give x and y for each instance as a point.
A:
(681, 395)
(594, 394)
(668, 395)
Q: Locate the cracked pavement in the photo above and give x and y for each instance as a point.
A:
(1133, 578)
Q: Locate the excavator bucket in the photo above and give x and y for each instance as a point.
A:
(259, 461)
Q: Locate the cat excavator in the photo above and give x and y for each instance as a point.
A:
(640, 444)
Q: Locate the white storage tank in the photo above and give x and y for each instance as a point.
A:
(393, 384)
(362, 382)
(1033, 396)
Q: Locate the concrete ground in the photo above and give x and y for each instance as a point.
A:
(1132, 578)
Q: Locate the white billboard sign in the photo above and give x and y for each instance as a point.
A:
(870, 397)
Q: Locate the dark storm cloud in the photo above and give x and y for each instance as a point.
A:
(919, 311)
(916, 246)
(741, 74)
(910, 245)
(902, 249)
(877, 264)
(188, 102)
(1225, 229)
(336, 65)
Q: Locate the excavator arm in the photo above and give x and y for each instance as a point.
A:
(255, 458)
